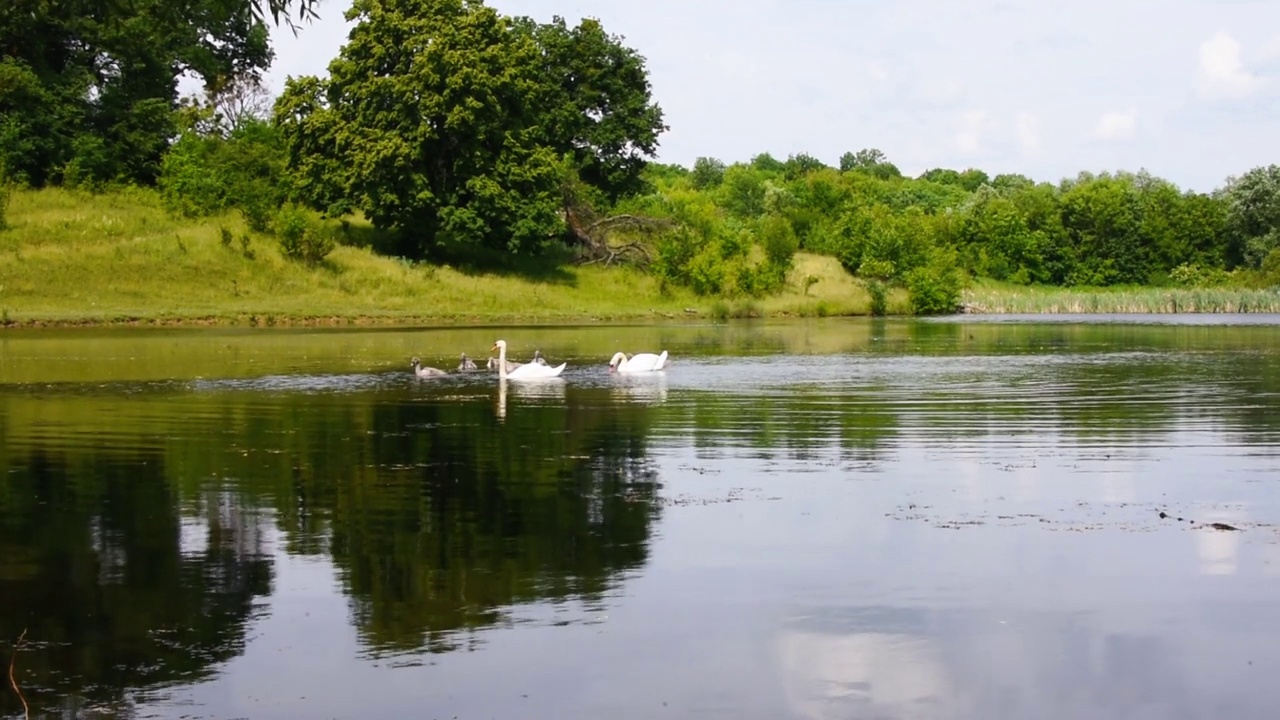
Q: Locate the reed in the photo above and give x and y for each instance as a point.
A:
(1048, 300)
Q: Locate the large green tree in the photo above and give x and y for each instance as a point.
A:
(88, 87)
(463, 127)
(1253, 214)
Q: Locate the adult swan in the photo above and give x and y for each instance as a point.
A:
(640, 362)
(527, 371)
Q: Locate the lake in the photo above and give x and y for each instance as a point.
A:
(971, 517)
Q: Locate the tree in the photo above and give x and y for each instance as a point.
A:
(767, 163)
(865, 158)
(465, 128)
(88, 87)
(799, 165)
(1103, 220)
(1253, 215)
(870, 161)
(707, 173)
(598, 103)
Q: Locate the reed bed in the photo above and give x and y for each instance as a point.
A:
(1042, 300)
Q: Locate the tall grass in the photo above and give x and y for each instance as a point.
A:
(71, 257)
(1128, 300)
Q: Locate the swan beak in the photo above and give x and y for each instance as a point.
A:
(495, 347)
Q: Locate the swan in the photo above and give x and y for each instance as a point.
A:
(529, 371)
(640, 362)
(537, 357)
(466, 364)
(423, 371)
(511, 364)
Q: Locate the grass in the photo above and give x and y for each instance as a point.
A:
(72, 257)
(75, 258)
(997, 298)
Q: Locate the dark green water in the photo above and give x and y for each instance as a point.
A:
(819, 519)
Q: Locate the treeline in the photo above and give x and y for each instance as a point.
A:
(933, 232)
(463, 133)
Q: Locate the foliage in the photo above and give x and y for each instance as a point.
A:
(879, 297)
(1196, 275)
(301, 239)
(473, 134)
(205, 175)
(707, 173)
(934, 288)
(1092, 230)
(1253, 215)
(87, 94)
(449, 121)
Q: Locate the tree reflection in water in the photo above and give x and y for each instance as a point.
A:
(135, 559)
(466, 516)
(94, 566)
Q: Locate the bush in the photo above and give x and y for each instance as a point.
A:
(879, 298)
(706, 273)
(299, 238)
(779, 240)
(1194, 275)
(208, 174)
(1270, 268)
(935, 288)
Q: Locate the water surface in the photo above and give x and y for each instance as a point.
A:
(805, 519)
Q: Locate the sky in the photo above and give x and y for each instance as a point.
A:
(1188, 90)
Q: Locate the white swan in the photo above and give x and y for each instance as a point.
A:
(423, 371)
(524, 372)
(640, 362)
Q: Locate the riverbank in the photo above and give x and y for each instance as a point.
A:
(72, 258)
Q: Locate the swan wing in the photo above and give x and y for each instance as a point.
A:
(645, 362)
(533, 370)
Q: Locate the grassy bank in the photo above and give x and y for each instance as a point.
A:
(76, 258)
(990, 298)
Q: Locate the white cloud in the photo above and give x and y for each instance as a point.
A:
(1028, 126)
(972, 124)
(1116, 125)
(939, 94)
(1221, 72)
(1270, 51)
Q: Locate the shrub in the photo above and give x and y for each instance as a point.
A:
(779, 240)
(879, 297)
(299, 238)
(1194, 275)
(934, 289)
(208, 174)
